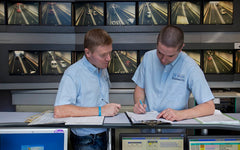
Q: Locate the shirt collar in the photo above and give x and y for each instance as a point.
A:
(89, 66)
(174, 62)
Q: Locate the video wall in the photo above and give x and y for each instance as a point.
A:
(116, 13)
(123, 62)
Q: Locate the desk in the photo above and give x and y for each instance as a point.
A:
(16, 119)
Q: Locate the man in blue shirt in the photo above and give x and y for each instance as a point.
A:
(166, 77)
(84, 91)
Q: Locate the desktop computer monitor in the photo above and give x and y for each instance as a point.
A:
(142, 141)
(218, 142)
(29, 138)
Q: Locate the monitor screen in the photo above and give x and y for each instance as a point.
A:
(214, 142)
(218, 61)
(23, 13)
(2, 13)
(185, 12)
(89, 14)
(195, 55)
(141, 141)
(153, 13)
(121, 13)
(23, 62)
(33, 138)
(218, 12)
(123, 62)
(56, 13)
(55, 62)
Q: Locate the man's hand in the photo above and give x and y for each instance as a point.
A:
(111, 109)
(139, 108)
(170, 114)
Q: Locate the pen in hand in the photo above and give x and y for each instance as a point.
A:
(141, 102)
(142, 110)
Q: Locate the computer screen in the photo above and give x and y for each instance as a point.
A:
(214, 142)
(33, 138)
(141, 141)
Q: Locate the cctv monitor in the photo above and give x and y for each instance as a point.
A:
(89, 14)
(218, 61)
(23, 62)
(141, 141)
(185, 12)
(56, 13)
(238, 61)
(30, 138)
(23, 13)
(55, 62)
(123, 65)
(231, 142)
(2, 13)
(195, 55)
(121, 13)
(218, 12)
(153, 13)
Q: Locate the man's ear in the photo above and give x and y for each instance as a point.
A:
(87, 52)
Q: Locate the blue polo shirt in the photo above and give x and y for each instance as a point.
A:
(169, 86)
(84, 85)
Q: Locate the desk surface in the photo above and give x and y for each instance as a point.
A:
(16, 119)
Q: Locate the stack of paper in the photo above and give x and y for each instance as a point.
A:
(48, 118)
(218, 118)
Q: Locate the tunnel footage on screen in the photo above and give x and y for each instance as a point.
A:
(102, 13)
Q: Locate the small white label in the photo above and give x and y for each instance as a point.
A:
(216, 100)
(236, 45)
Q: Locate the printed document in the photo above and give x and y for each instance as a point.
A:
(48, 118)
(218, 118)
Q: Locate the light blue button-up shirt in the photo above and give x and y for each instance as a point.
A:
(169, 86)
(84, 85)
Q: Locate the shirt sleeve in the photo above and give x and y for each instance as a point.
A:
(67, 91)
(199, 86)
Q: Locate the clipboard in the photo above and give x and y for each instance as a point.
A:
(150, 122)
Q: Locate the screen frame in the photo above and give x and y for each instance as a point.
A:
(18, 130)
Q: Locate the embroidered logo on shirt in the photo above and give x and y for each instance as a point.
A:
(180, 77)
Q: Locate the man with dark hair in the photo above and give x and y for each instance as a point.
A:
(166, 77)
(84, 91)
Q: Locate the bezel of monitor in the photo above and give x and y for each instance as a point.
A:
(220, 10)
(36, 130)
(32, 57)
(211, 137)
(57, 64)
(153, 135)
(177, 19)
(51, 11)
(237, 62)
(2, 16)
(15, 8)
(149, 14)
(96, 10)
(207, 58)
(123, 22)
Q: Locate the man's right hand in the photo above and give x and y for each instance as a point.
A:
(139, 108)
(111, 109)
